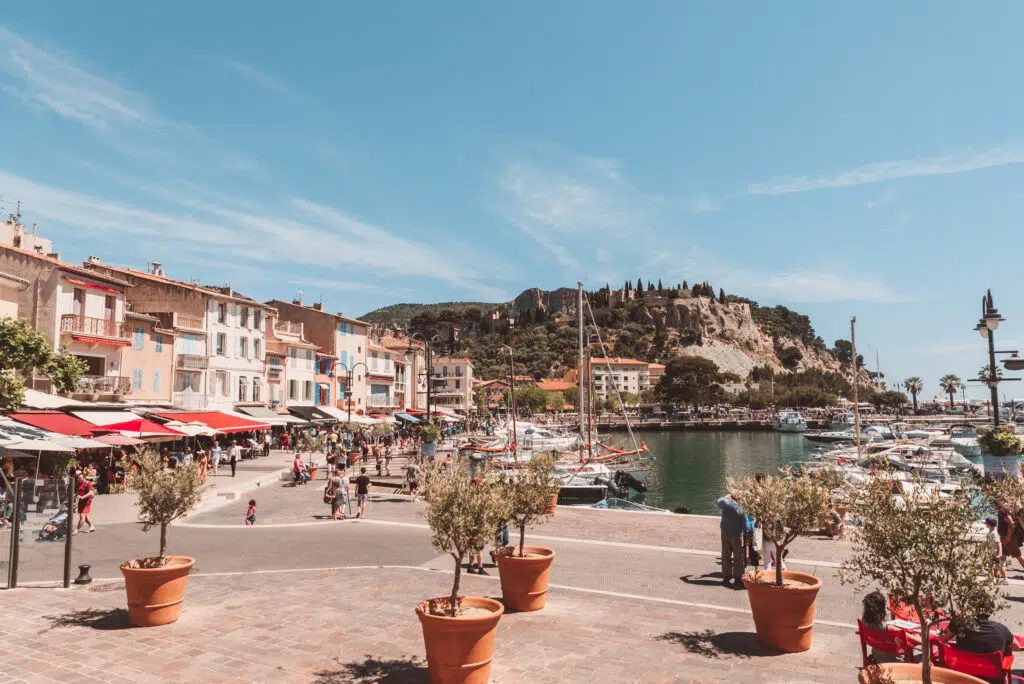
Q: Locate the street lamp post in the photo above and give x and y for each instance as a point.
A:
(348, 386)
(426, 343)
(987, 325)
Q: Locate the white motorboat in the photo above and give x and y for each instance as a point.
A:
(790, 421)
(843, 421)
(870, 433)
(964, 438)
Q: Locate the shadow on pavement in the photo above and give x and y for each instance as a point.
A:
(405, 670)
(709, 644)
(111, 619)
(711, 579)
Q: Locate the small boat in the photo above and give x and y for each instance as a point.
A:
(790, 421)
(870, 433)
(964, 438)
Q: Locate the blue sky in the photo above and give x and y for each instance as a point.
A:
(841, 159)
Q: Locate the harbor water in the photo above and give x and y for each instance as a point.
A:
(690, 468)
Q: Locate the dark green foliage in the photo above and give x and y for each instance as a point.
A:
(692, 380)
(843, 351)
(404, 313)
(790, 357)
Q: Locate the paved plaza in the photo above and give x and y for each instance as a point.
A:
(301, 598)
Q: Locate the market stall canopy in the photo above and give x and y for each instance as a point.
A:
(81, 443)
(219, 421)
(12, 431)
(117, 439)
(268, 415)
(383, 418)
(34, 399)
(312, 414)
(143, 428)
(105, 418)
(55, 421)
(333, 413)
(38, 445)
(412, 420)
(193, 429)
(363, 420)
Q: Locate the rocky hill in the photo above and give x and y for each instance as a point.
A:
(654, 325)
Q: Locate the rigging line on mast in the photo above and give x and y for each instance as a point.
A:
(604, 351)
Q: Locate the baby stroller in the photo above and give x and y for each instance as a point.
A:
(56, 528)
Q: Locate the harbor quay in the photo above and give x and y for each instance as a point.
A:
(299, 597)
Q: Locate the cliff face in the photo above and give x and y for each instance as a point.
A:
(727, 334)
(550, 302)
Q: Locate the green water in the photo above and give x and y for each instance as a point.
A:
(691, 467)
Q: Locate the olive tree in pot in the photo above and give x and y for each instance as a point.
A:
(920, 548)
(783, 602)
(429, 434)
(525, 570)
(459, 631)
(156, 586)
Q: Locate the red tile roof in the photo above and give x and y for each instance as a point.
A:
(554, 385)
(618, 361)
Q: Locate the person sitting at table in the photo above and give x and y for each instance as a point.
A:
(874, 617)
(982, 635)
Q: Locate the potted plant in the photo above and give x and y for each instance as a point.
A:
(786, 506)
(1000, 450)
(156, 586)
(459, 631)
(313, 445)
(920, 548)
(429, 434)
(525, 570)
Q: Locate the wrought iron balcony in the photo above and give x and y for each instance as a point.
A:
(99, 327)
(104, 384)
(381, 401)
(192, 362)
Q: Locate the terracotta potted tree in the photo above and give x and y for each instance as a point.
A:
(312, 445)
(920, 548)
(525, 570)
(459, 631)
(782, 601)
(156, 586)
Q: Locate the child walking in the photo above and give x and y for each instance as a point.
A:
(992, 539)
(250, 515)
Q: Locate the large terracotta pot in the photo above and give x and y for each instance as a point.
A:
(354, 456)
(313, 470)
(550, 510)
(459, 649)
(524, 581)
(155, 594)
(910, 673)
(783, 616)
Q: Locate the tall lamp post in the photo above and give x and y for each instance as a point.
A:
(348, 386)
(987, 325)
(426, 343)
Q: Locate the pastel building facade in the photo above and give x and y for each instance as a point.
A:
(452, 383)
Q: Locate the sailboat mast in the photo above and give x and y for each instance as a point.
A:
(582, 402)
(856, 401)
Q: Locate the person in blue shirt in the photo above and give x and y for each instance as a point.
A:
(732, 526)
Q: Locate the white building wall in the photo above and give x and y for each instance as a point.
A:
(227, 369)
(301, 370)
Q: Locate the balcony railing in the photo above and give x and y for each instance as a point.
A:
(289, 327)
(382, 370)
(87, 325)
(189, 400)
(381, 400)
(274, 372)
(192, 362)
(104, 384)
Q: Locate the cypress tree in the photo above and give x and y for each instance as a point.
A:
(639, 284)
(659, 286)
(721, 294)
(685, 286)
(650, 286)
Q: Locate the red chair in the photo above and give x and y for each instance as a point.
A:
(984, 665)
(884, 640)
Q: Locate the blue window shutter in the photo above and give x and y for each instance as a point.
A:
(344, 360)
(137, 340)
(137, 378)
(159, 344)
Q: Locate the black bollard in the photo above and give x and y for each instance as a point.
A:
(83, 574)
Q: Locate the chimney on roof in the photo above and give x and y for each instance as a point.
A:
(52, 255)
(154, 269)
(93, 260)
(318, 306)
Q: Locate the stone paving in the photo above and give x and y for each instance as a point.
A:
(311, 627)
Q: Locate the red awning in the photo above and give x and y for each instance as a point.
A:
(55, 421)
(83, 283)
(415, 412)
(140, 426)
(101, 340)
(221, 422)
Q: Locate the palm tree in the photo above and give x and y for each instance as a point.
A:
(950, 384)
(914, 386)
(985, 373)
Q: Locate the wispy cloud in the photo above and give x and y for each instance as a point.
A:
(50, 81)
(571, 203)
(877, 172)
(311, 234)
(262, 79)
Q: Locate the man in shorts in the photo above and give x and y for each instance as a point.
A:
(362, 491)
(412, 476)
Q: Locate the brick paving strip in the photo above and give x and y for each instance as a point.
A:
(358, 625)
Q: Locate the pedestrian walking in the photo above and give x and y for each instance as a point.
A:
(266, 444)
(338, 489)
(412, 477)
(732, 525)
(250, 513)
(84, 494)
(297, 467)
(387, 461)
(362, 491)
(234, 456)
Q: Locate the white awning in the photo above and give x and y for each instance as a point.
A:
(35, 399)
(193, 429)
(336, 413)
(104, 418)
